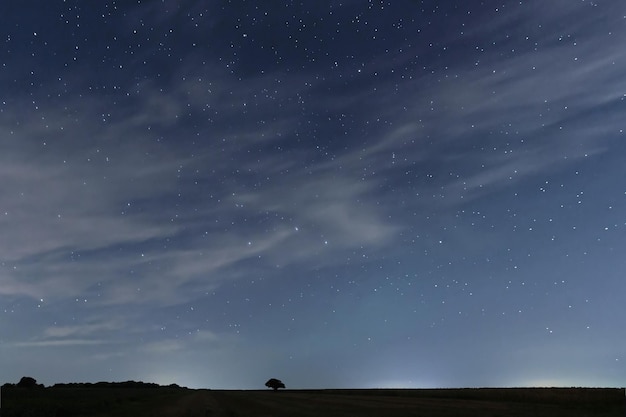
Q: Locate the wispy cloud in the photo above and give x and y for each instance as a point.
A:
(97, 202)
(83, 216)
(509, 116)
(185, 342)
(59, 343)
(82, 329)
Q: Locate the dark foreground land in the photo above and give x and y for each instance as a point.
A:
(97, 401)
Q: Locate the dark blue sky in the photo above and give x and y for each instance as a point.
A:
(336, 194)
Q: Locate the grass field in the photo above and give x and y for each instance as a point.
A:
(180, 402)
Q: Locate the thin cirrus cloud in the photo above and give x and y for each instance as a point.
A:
(59, 343)
(67, 204)
(555, 105)
(64, 233)
(82, 329)
(57, 202)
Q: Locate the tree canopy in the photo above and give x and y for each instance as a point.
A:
(274, 384)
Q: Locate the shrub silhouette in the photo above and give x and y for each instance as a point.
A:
(274, 384)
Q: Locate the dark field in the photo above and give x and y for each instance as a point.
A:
(173, 401)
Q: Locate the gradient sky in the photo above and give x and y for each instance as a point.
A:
(334, 193)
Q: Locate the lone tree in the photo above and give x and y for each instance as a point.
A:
(274, 384)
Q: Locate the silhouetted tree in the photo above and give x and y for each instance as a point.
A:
(28, 382)
(274, 384)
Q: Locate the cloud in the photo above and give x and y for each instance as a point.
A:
(164, 346)
(89, 331)
(500, 118)
(101, 218)
(82, 329)
(118, 203)
(188, 342)
(59, 343)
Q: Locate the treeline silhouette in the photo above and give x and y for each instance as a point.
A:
(102, 384)
(30, 383)
(79, 399)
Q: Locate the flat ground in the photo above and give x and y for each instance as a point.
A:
(431, 403)
(170, 402)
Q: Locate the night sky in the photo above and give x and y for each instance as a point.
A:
(333, 193)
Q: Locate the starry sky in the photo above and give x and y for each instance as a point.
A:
(339, 194)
